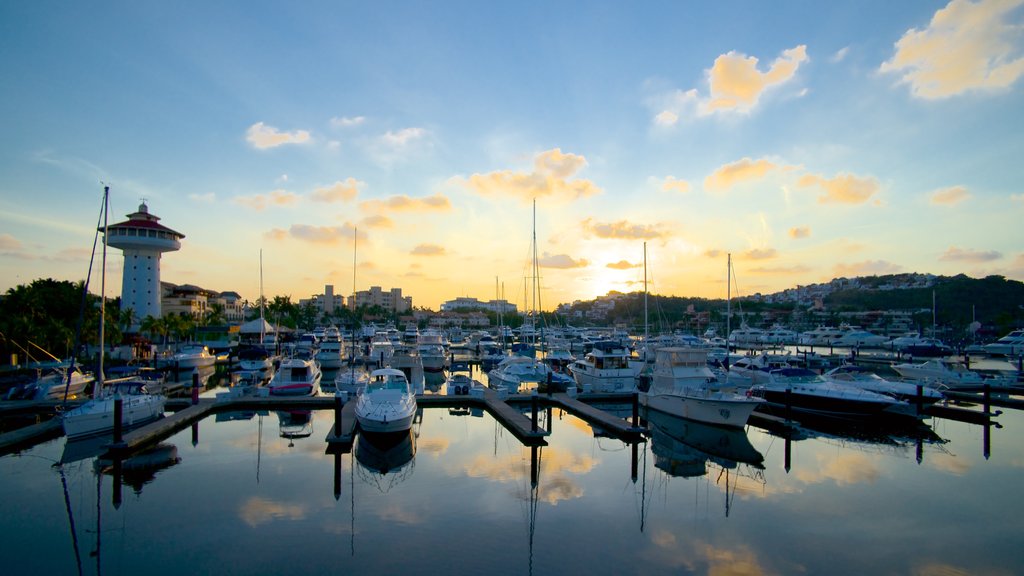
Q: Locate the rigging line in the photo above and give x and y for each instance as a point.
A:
(85, 292)
(71, 519)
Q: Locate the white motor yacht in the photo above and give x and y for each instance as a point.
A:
(939, 372)
(193, 356)
(682, 385)
(861, 377)
(387, 404)
(608, 367)
(296, 377)
(804, 391)
(1010, 345)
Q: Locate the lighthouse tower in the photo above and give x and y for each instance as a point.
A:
(142, 239)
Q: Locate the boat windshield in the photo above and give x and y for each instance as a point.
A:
(389, 382)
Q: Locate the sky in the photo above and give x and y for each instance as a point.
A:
(809, 140)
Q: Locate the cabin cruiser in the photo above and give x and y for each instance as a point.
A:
(387, 404)
(914, 344)
(856, 338)
(804, 391)
(608, 367)
(853, 375)
(746, 337)
(53, 384)
(351, 380)
(939, 372)
(749, 370)
(255, 364)
(331, 353)
(296, 377)
(1010, 345)
(192, 356)
(821, 336)
(682, 385)
(519, 374)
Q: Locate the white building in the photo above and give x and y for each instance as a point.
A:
(325, 303)
(467, 303)
(142, 239)
(391, 300)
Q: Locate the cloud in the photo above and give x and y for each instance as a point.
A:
(736, 84)
(428, 250)
(328, 235)
(562, 261)
(550, 178)
(377, 221)
(800, 232)
(403, 203)
(666, 118)
(841, 189)
(759, 254)
(207, 198)
(622, 265)
(399, 145)
(840, 55)
(276, 234)
(8, 242)
(258, 202)
(797, 269)
(263, 137)
(256, 511)
(338, 192)
(713, 253)
(623, 230)
(671, 184)
(1017, 198)
(950, 196)
(403, 137)
(966, 46)
(347, 122)
(742, 170)
(955, 254)
(866, 268)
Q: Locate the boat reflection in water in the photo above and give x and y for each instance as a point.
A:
(295, 424)
(686, 448)
(871, 435)
(142, 467)
(385, 459)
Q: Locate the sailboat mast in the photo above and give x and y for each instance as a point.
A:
(355, 246)
(646, 334)
(728, 301)
(536, 278)
(263, 329)
(103, 288)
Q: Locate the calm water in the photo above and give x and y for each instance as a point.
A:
(256, 495)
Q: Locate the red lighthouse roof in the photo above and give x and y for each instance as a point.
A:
(144, 220)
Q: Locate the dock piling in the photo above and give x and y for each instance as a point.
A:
(337, 413)
(636, 409)
(118, 412)
(533, 409)
(195, 387)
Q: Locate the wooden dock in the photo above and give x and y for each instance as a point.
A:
(618, 427)
(508, 411)
(164, 427)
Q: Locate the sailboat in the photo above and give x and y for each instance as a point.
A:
(137, 405)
